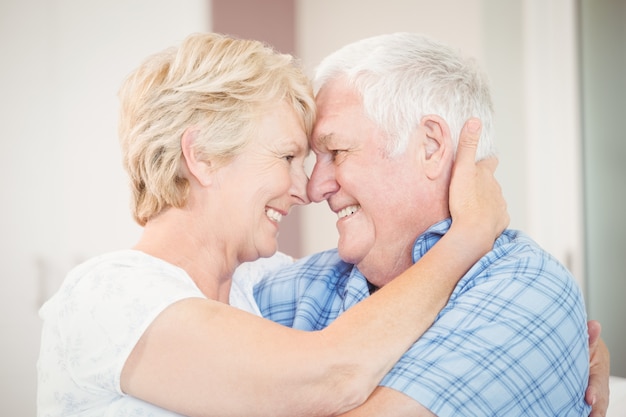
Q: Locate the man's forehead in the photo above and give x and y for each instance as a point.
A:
(332, 119)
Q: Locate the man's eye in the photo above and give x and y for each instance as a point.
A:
(288, 158)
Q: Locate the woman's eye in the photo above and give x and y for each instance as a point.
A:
(288, 158)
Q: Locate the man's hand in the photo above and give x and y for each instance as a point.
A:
(597, 394)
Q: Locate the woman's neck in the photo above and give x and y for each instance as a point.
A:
(174, 238)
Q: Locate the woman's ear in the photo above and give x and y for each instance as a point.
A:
(197, 167)
(437, 145)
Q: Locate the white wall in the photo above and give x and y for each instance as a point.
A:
(65, 194)
(553, 130)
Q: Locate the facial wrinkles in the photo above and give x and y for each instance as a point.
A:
(288, 152)
(273, 171)
(266, 199)
(360, 171)
(383, 188)
(341, 161)
(276, 176)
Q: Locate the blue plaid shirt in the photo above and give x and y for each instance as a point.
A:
(512, 340)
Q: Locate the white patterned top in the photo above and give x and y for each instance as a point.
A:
(91, 325)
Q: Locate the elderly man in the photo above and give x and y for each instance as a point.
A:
(512, 340)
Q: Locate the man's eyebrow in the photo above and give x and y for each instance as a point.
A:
(323, 140)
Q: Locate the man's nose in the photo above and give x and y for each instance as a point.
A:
(322, 183)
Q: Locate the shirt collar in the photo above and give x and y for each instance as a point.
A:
(355, 289)
(429, 238)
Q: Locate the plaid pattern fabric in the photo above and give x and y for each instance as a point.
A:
(512, 340)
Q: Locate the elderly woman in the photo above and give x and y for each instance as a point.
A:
(214, 138)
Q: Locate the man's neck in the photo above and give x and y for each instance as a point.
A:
(389, 263)
(383, 270)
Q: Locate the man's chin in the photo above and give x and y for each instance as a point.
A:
(349, 254)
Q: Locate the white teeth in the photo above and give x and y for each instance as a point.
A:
(348, 211)
(274, 215)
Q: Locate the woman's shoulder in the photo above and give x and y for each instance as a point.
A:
(119, 276)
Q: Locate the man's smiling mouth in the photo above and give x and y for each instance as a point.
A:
(345, 212)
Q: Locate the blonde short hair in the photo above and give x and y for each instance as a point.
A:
(213, 83)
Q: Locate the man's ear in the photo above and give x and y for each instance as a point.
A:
(437, 145)
(197, 167)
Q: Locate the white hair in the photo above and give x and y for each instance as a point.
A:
(405, 76)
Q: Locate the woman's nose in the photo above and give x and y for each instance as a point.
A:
(299, 187)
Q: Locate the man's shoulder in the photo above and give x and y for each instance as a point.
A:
(515, 246)
(518, 260)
